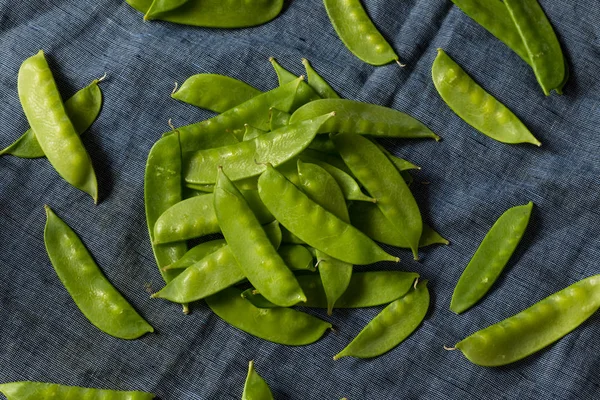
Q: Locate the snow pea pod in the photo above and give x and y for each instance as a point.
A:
(315, 225)
(323, 144)
(82, 109)
(383, 181)
(278, 119)
(305, 93)
(247, 159)
(227, 128)
(400, 163)
(369, 219)
(297, 257)
(534, 328)
(216, 13)
(490, 258)
(391, 326)
(52, 127)
(26, 390)
(364, 119)
(475, 106)
(214, 92)
(250, 246)
(319, 84)
(542, 45)
(93, 294)
(358, 33)
(252, 133)
(195, 217)
(255, 387)
(278, 325)
(197, 253)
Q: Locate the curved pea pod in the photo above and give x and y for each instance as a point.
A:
(256, 256)
(319, 84)
(93, 294)
(297, 257)
(255, 387)
(400, 163)
(247, 159)
(27, 390)
(391, 326)
(534, 328)
(197, 253)
(52, 127)
(305, 93)
(363, 119)
(82, 109)
(216, 13)
(490, 258)
(278, 325)
(383, 181)
(358, 33)
(315, 225)
(329, 158)
(542, 45)
(475, 106)
(195, 217)
(278, 119)
(228, 127)
(215, 92)
(369, 219)
(161, 7)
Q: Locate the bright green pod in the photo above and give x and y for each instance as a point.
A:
(82, 109)
(246, 159)
(278, 119)
(297, 257)
(27, 390)
(369, 219)
(400, 163)
(256, 256)
(491, 257)
(329, 158)
(197, 253)
(542, 45)
(195, 217)
(358, 33)
(255, 387)
(319, 84)
(475, 106)
(252, 133)
(315, 225)
(278, 325)
(364, 119)
(161, 7)
(52, 127)
(93, 294)
(391, 326)
(305, 93)
(534, 328)
(214, 92)
(383, 181)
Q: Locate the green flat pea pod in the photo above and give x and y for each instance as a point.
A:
(369, 219)
(82, 109)
(161, 7)
(543, 48)
(214, 92)
(364, 119)
(257, 257)
(211, 274)
(278, 119)
(52, 127)
(195, 217)
(305, 93)
(534, 328)
(358, 33)
(315, 225)
(255, 387)
(319, 84)
(27, 390)
(475, 106)
(391, 326)
(197, 253)
(495, 18)
(216, 13)
(383, 181)
(247, 159)
(93, 294)
(297, 257)
(400, 163)
(491, 257)
(278, 325)
(329, 158)
(252, 133)
(228, 127)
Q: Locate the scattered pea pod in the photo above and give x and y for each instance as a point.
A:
(297, 257)
(319, 84)
(52, 391)
(475, 106)
(52, 127)
(255, 387)
(197, 253)
(534, 328)
(279, 325)
(305, 93)
(490, 258)
(93, 294)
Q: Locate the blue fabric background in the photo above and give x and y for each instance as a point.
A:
(473, 179)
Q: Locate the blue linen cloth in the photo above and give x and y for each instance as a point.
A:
(472, 181)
